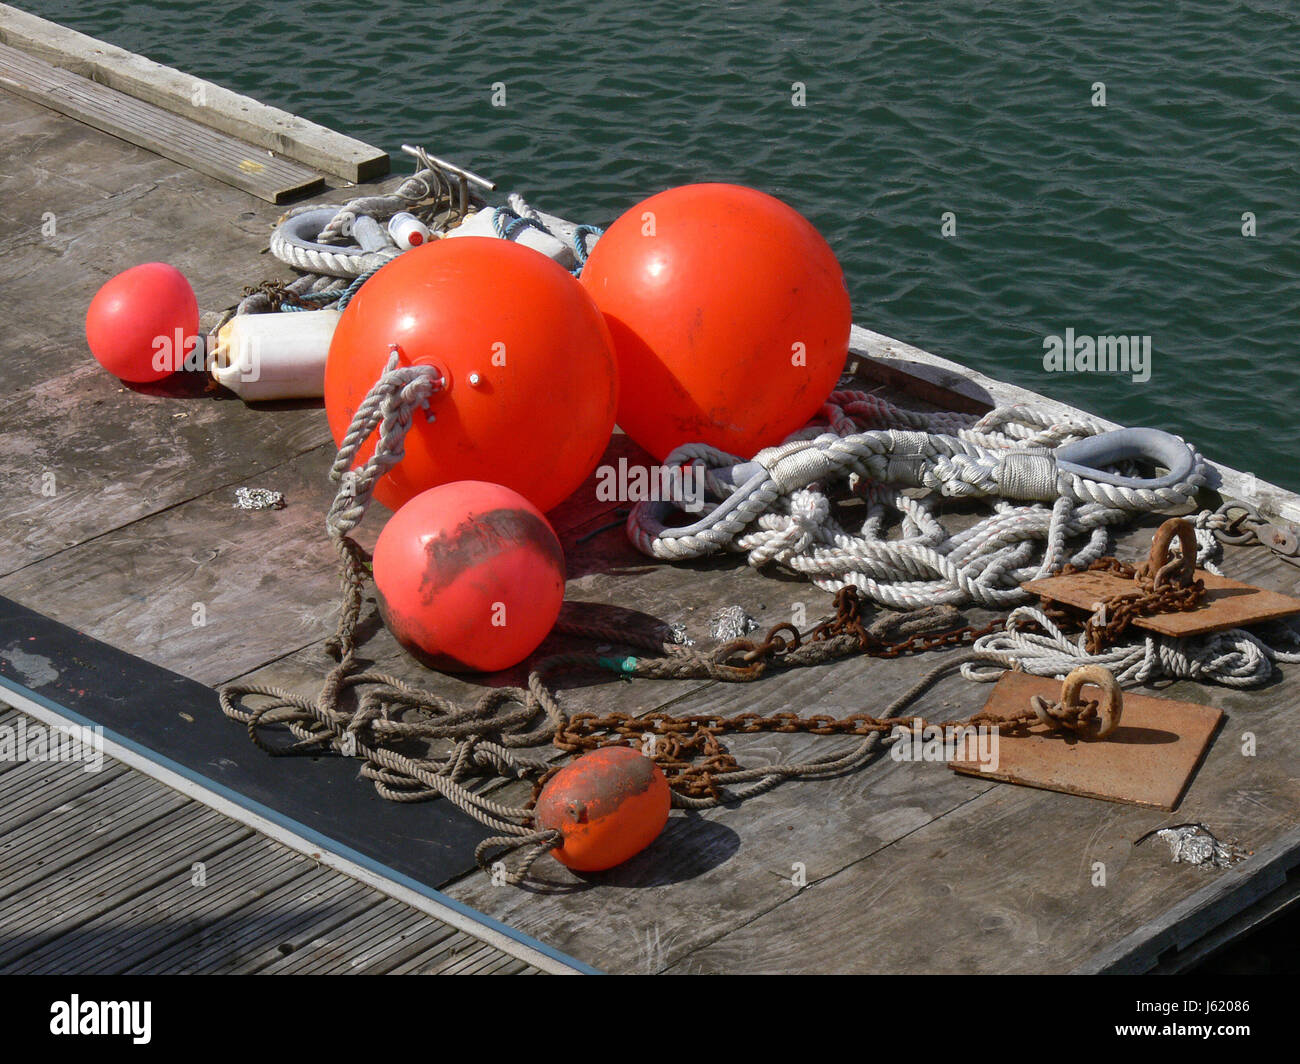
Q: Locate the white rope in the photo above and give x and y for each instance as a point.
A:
(342, 263)
(777, 508)
(1235, 658)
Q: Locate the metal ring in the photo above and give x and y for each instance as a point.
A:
(1084, 458)
(1112, 700)
(1158, 568)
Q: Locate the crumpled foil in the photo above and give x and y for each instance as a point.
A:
(1193, 844)
(731, 622)
(677, 634)
(258, 499)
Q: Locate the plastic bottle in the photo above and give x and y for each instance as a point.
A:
(407, 230)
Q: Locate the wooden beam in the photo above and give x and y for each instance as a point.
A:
(209, 152)
(193, 98)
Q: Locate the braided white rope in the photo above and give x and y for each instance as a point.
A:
(342, 263)
(782, 514)
(1235, 658)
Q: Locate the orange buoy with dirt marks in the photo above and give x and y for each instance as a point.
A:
(609, 804)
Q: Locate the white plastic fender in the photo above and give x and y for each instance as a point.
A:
(274, 356)
(482, 224)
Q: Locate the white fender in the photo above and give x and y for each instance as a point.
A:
(483, 224)
(274, 356)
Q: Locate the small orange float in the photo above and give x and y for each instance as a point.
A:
(143, 324)
(609, 804)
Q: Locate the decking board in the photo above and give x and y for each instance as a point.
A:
(131, 905)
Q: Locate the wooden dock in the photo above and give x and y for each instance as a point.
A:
(119, 520)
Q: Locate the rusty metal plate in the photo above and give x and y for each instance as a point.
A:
(1227, 603)
(1148, 760)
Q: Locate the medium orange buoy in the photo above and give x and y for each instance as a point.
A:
(470, 576)
(729, 315)
(143, 323)
(529, 380)
(610, 804)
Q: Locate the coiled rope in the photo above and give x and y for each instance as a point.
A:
(777, 508)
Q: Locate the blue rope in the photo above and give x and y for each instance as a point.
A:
(580, 235)
(355, 287)
(327, 298)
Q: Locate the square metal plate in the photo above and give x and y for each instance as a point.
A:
(1148, 760)
(1227, 603)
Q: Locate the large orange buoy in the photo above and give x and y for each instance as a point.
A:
(529, 379)
(729, 315)
(144, 323)
(609, 804)
(470, 576)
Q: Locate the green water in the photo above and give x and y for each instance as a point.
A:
(1122, 219)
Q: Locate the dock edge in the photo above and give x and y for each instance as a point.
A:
(172, 90)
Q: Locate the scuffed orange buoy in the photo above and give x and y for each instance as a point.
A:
(609, 804)
(529, 381)
(143, 324)
(470, 576)
(729, 315)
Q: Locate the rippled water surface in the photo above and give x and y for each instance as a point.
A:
(1122, 219)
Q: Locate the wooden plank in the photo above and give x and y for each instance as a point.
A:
(31, 795)
(1246, 927)
(236, 163)
(263, 929)
(191, 97)
(102, 882)
(36, 851)
(366, 938)
(93, 454)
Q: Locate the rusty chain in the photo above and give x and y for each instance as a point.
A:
(689, 750)
(1161, 584)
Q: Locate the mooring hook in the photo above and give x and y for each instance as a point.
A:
(1084, 458)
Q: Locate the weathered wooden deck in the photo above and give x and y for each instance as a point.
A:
(908, 867)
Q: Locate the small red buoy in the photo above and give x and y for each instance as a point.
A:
(143, 323)
(729, 316)
(528, 377)
(610, 804)
(470, 576)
